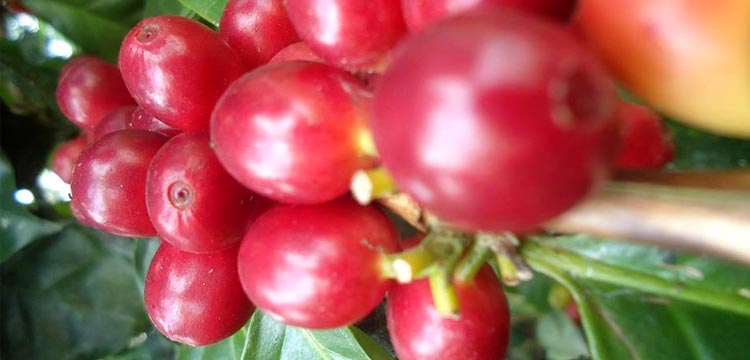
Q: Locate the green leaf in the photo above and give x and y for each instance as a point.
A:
(73, 295)
(97, 26)
(638, 302)
(163, 7)
(696, 149)
(272, 340)
(560, 337)
(18, 227)
(265, 339)
(208, 9)
(149, 346)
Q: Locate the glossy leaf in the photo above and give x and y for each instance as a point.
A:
(265, 339)
(639, 302)
(18, 227)
(97, 26)
(210, 10)
(72, 295)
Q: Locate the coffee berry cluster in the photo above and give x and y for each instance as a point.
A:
(237, 148)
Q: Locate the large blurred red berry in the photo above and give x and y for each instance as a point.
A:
(176, 69)
(495, 121)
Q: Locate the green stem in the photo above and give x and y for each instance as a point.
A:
(410, 264)
(470, 264)
(548, 260)
(443, 292)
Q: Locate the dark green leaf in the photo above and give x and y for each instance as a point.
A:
(696, 149)
(235, 347)
(208, 9)
(144, 252)
(149, 346)
(639, 302)
(18, 227)
(97, 26)
(163, 7)
(73, 295)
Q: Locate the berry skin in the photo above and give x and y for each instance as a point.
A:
(65, 157)
(194, 204)
(256, 29)
(296, 51)
(176, 69)
(290, 131)
(109, 183)
(317, 266)
(195, 299)
(495, 121)
(117, 119)
(645, 141)
(420, 13)
(88, 89)
(143, 120)
(355, 35)
(480, 332)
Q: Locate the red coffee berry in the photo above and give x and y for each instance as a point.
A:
(195, 299)
(88, 89)
(317, 266)
(296, 51)
(143, 120)
(290, 131)
(66, 155)
(645, 141)
(420, 13)
(176, 69)
(256, 29)
(117, 119)
(419, 332)
(495, 121)
(356, 35)
(109, 183)
(194, 204)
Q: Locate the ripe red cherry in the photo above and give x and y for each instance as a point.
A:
(418, 332)
(420, 13)
(645, 141)
(109, 183)
(290, 131)
(256, 29)
(143, 120)
(66, 155)
(195, 299)
(317, 266)
(88, 89)
(495, 121)
(194, 204)
(117, 119)
(176, 69)
(296, 51)
(356, 35)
